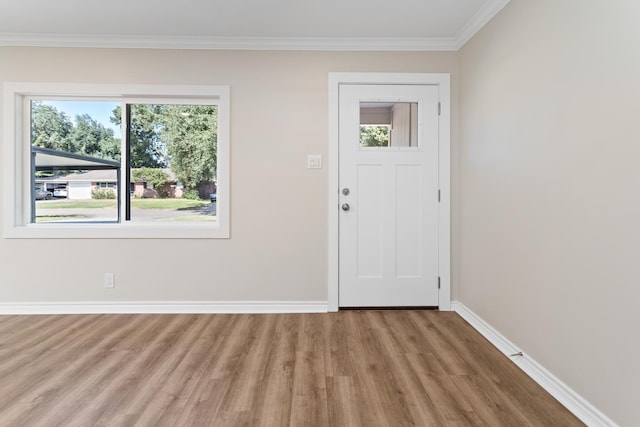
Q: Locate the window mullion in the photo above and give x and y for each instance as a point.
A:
(126, 158)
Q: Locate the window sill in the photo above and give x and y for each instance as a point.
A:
(116, 231)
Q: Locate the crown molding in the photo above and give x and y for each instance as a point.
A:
(479, 20)
(228, 43)
(447, 44)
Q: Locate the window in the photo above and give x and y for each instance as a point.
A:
(388, 124)
(106, 184)
(116, 161)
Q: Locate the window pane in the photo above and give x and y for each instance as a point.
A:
(388, 124)
(173, 158)
(75, 148)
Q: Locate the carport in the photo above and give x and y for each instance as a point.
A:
(47, 159)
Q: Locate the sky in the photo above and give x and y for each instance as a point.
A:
(98, 110)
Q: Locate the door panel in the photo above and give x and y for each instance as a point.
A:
(409, 221)
(388, 149)
(369, 223)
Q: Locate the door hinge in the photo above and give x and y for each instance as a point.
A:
(439, 108)
(438, 196)
(438, 282)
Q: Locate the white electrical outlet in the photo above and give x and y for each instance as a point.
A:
(109, 280)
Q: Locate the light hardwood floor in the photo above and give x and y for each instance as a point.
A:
(352, 368)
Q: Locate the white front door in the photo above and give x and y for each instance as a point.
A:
(388, 178)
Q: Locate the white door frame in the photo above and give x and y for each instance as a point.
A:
(443, 80)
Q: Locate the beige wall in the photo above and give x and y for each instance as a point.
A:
(546, 231)
(550, 190)
(278, 245)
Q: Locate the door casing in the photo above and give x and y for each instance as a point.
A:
(443, 80)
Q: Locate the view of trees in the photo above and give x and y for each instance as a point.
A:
(155, 176)
(191, 134)
(374, 136)
(51, 128)
(182, 138)
(147, 149)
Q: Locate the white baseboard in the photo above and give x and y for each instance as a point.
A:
(164, 307)
(586, 412)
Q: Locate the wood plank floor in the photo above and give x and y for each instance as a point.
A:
(352, 368)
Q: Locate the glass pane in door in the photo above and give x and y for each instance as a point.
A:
(388, 124)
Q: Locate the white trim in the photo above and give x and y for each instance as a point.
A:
(420, 44)
(575, 403)
(443, 80)
(16, 175)
(333, 273)
(162, 307)
(444, 207)
(479, 20)
(229, 43)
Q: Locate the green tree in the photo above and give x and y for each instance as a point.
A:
(374, 136)
(191, 135)
(146, 147)
(93, 139)
(50, 128)
(182, 137)
(157, 177)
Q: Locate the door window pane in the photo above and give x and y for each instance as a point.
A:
(388, 124)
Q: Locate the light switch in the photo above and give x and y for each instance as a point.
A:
(314, 161)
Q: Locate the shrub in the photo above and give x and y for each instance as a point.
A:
(103, 193)
(192, 194)
(162, 192)
(157, 177)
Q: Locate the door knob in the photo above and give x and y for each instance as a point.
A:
(345, 206)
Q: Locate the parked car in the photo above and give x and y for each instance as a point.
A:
(60, 192)
(43, 195)
(213, 197)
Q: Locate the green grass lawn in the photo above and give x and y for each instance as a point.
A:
(169, 204)
(173, 204)
(77, 204)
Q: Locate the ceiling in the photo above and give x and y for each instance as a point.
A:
(246, 24)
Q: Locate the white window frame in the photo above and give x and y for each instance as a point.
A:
(16, 157)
